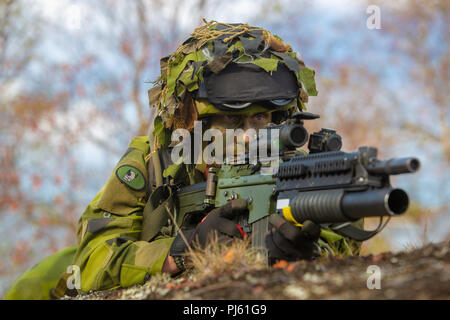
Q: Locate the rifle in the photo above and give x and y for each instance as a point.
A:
(327, 186)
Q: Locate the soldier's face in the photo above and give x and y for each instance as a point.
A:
(255, 121)
(241, 125)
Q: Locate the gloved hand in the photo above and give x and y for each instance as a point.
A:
(219, 220)
(288, 242)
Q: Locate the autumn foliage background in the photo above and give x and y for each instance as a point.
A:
(74, 77)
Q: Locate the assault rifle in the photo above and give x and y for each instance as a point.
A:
(328, 186)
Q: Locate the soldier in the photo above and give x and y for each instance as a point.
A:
(227, 76)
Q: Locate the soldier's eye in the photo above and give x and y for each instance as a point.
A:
(230, 118)
(260, 117)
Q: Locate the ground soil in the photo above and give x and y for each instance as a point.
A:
(416, 274)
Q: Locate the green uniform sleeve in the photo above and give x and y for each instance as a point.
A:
(110, 254)
(37, 282)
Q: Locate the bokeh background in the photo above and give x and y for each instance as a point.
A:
(74, 76)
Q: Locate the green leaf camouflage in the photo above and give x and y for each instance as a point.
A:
(210, 49)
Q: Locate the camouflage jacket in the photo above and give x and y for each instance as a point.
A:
(113, 251)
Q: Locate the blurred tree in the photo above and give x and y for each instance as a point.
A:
(421, 29)
(17, 40)
(419, 33)
(139, 33)
(17, 43)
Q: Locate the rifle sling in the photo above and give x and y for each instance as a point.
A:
(155, 214)
(356, 233)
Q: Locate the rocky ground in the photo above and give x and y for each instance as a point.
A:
(417, 274)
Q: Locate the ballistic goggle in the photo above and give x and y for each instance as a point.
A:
(239, 85)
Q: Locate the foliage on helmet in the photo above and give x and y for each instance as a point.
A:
(211, 48)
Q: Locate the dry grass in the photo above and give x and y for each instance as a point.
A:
(236, 256)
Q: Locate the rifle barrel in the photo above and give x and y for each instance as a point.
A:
(394, 166)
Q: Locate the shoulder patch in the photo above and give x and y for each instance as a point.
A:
(131, 176)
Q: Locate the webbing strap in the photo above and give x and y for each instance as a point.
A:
(155, 213)
(355, 233)
(60, 290)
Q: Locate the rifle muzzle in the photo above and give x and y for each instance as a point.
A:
(394, 166)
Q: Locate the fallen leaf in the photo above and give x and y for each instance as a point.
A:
(281, 264)
(258, 290)
(229, 256)
(378, 257)
(290, 267)
(170, 285)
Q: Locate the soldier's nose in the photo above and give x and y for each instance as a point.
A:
(250, 132)
(246, 132)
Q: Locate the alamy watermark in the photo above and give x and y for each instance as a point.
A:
(374, 20)
(74, 280)
(237, 147)
(374, 280)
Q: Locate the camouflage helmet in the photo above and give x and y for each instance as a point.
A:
(223, 68)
